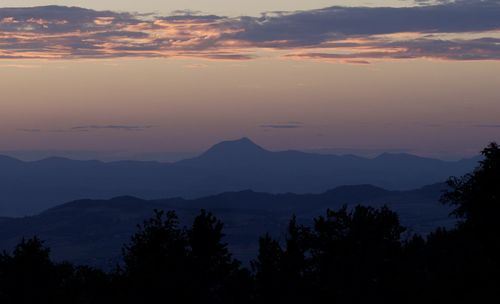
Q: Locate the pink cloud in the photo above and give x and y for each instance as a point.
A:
(338, 34)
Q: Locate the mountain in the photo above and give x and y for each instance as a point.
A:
(93, 231)
(230, 154)
(27, 188)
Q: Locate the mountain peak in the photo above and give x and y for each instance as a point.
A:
(240, 141)
(244, 139)
(227, 153)
(242, 146)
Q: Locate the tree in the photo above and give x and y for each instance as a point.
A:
(295, 262)
(28, 275)
(477, 199)
(216, 276)
(85, 285)
(182, 265)
(156, 261)
(281, 273)
(267, 268)
(355, 253)
(468, 257)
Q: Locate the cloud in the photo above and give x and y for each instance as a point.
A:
(449, 30)
(20, 66)
(289, 125)
(310, 28)
(488, 126)
(196, 66)
(474, 49)
(112, 127)
(89, 128)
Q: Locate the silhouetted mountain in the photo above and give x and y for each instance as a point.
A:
(30, 187)
(227, 154)
(93, 231)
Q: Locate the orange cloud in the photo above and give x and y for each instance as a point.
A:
(331, 34)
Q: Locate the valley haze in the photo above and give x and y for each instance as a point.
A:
(27, 188)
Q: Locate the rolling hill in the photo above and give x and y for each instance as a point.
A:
(27, 188)
(93, 231)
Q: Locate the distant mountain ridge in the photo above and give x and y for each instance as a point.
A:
(93, 231)
(30, 187)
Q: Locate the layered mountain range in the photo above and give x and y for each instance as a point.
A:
(27, 188)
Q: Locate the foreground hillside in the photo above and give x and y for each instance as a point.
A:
(27, 188)
(93, 231)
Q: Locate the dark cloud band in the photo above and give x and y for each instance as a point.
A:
(111, 127)
(288, 125)
(450, 30)
(92, 128)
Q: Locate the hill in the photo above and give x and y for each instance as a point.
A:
(27, 188)
(93, 231)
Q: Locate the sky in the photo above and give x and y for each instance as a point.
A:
(178, 76)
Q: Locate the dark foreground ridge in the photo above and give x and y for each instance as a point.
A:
(92, 231)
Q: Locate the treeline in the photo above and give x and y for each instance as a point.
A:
(360, 255)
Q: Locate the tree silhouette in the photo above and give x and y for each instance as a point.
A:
(268, 270)
(294, 262)
(156, 261)
(29, 276)
(467, 258)
(85, 285)
(212, 267)
(190, 266)
(355, 253)
(477, 197)
(281, 274)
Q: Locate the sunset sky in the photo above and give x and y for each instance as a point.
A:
(177, 76)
